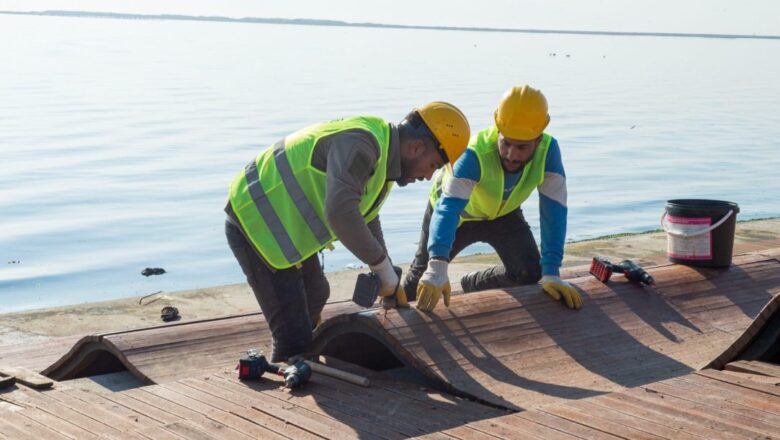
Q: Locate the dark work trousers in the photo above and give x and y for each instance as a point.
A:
(512, 240)
(291, 299)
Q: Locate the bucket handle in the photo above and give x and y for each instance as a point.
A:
(695, 234)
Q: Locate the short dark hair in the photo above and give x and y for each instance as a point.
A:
(413, 126)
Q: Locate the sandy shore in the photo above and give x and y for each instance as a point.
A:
(134, 312)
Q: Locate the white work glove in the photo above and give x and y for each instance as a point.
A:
(390, 283)
(433, 284)
(556, 287)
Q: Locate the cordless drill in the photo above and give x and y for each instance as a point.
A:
(367, 289)
(602, 269)
(253, 365)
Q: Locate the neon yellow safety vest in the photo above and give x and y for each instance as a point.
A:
(279, 198)
(486, 200)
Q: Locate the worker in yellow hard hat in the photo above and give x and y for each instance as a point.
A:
(324, 183)
(480, 199)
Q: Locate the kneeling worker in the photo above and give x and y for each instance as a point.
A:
(324, 183)
(479, 201)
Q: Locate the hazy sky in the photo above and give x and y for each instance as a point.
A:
(688, 16)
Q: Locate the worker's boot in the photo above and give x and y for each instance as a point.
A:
(468, 282)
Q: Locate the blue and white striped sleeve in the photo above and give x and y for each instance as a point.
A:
(455, 197)
(553, 211)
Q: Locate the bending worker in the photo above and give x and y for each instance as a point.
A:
(479, 201)
(324, 183)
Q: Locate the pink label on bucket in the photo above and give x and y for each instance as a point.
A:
(695, 247)
(688, 220)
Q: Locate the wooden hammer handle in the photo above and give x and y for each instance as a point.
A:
(339, 374)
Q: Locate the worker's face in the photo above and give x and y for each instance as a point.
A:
(516, 153)
(419, 161)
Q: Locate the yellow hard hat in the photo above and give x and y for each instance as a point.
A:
(522, 113)
(449, 125)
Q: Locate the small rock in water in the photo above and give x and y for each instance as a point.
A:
(149, 271)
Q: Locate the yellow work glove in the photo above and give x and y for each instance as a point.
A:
(390, 283)
(557, 288)
(433, 285)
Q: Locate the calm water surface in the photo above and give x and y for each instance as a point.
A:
(118, 138)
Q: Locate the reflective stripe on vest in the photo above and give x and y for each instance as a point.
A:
(486, 201)
(267, 212)
(299, 198)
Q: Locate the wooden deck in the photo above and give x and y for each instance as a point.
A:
(496, 364)
(708, 404)
(517, 349)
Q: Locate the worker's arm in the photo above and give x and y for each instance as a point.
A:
(454, 198)
(375, 226)
(351, 157)
(553, 214)
(553, 211)
(455, 195)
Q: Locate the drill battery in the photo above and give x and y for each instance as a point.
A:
(602, 269)
(367, 289)
(252, 366)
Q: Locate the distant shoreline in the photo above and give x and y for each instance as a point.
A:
(337, 23)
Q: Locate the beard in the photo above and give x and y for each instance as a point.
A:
(512, 167)
(407, 165)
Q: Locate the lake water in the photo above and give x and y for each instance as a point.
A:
(118, 138)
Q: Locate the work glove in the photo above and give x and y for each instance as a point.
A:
(389, 282)
(556, 287)
(434, 284)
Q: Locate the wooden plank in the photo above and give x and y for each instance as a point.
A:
(11, 431)
(203, 424)
(723, 377)
(755, 378)
(719, 402)
(215, 410)
(189, 431)
(159, 433)
(751, 427)
(57, 424)
(26, 428)
(755, 367)
(597, 422)
(625, 417)
(561, 424)
(111, 415)
(45, 402)
(276, 424)
(308, 420)
(36, 356)
(661, 412)
(157, 414)
(730, 392)
(27, 377)
(384, 404)
(137, 419)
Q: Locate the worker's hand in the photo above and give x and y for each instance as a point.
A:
(401, 302)
(557, 288)
(434, 284)
(389, 281)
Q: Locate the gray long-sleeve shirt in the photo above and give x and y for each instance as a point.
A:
(348, 158)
